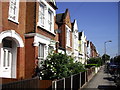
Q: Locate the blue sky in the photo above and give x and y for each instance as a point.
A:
(99, 21)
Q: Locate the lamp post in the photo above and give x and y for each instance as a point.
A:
(105, 48)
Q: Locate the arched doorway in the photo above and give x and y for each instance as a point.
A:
(8, 57)
(9, 41)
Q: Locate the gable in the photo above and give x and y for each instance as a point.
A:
(75, 25)
(67, 19)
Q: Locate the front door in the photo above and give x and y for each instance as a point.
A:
(6, 58)
(6, 61)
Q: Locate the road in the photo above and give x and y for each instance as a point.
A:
(102, 80)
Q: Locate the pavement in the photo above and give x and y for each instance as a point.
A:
(101, 81)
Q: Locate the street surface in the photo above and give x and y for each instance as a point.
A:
(102, 80)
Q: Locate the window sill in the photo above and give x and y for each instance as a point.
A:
(16, 22)
(41, 26)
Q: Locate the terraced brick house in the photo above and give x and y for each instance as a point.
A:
(65, 34)
(75, 40)
(88, 49)
(40, 33)
(12, 41)
(94, 52)
(27, 36)
(82, 47)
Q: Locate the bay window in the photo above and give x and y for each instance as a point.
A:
(46, 16)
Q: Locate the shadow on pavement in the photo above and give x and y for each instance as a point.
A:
(106, 71)
(109, 78)
(107, 87)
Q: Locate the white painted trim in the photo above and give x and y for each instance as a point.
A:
(47, 8)
(61, 51)
(67, 36)
(75, 44)
(14, 35)
(38, 38)
(12, 73)
(64, 83)
(16, 12)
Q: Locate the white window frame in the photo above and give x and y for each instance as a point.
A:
(7, 60)
(50, 19)
(75, 42)
(8, 71)
(17, 42)
(67, 36)
(42, 14)
(46, 24)
(41, 56)
(13, 11)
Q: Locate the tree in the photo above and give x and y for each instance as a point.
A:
(105, 58)
(117, 59)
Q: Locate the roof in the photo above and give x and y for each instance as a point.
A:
(73, 24)
(53, 3)
(61, 16)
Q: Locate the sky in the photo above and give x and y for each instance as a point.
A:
(99, 21)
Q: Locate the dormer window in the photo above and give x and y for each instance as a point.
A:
(13, 10)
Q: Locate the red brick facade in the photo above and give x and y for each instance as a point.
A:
(27, 56)
(19, 29)
(65, 20)
(93, 50)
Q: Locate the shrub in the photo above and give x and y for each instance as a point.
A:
(60, 65)
(94, 62)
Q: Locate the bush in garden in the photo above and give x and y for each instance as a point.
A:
(94, 62)
(76, 67)
(58, 66)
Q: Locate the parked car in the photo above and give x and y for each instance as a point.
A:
(112, 69)
(117, 76)
(117, 81)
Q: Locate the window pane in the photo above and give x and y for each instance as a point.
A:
(7, 43)
(50, 19)
(4, 59)
(41, 14)
(41, 50)
(13, 9)
(8, 58)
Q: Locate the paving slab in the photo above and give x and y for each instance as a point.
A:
(102, 80)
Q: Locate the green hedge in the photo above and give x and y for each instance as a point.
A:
(91, 65)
